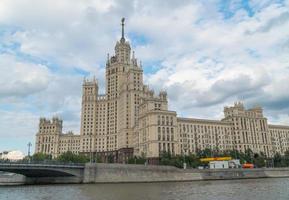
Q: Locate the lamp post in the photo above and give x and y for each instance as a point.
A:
(273, 156)
(90, 149)
(29, 146)
(184, 163)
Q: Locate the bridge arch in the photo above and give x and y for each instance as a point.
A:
(43, 170)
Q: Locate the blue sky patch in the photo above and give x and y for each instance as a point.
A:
(138, 39)
(229, 8)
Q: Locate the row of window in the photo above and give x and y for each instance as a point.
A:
(165, 120)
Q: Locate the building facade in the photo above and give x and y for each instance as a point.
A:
(129, 119)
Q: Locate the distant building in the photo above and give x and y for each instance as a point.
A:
(12, 155)
(129, 119)
(50, 139)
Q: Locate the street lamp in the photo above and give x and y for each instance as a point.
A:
(29, 146)
(90, 149)
(185, 149)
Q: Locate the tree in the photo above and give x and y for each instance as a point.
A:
(98, 159)
(286, 159)
(259, 160)
(110, 158)
(137, 160)
(277, 160)
(193, 161)
(166, 158)
(204, 153)
(249, 156)
(41, 157)
(71, 157)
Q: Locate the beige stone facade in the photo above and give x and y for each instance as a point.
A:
(249, 129)
(130, 119)
(50, 139)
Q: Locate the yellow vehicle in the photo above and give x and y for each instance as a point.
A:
(215, 159)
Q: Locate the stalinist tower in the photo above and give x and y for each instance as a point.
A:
(107, 121)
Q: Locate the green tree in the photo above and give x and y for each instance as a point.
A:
(166, 158)
(206, 153)
(195, 161)
(71, 157)
(137, 160)
(40, 157)
(259, 160)
(98, 159)
(286, 159)
(249, 156)
(277, 160)
(110, 158)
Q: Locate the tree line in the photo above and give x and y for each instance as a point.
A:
(192, 160)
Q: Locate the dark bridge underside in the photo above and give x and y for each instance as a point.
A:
(38, 172)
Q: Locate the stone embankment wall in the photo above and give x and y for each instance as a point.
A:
(118, 173)
(11, 179)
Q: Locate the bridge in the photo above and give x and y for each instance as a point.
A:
(42, 172)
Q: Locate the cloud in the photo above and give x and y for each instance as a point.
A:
(17, 124)
(223, 89)
(275, 22)
(20, 78)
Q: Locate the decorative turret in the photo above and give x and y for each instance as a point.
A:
(239, 110)
(239, 105)
(108, 61)
(89, 90)
(163, 95)
(151, 93)
(133, 60)
(53, 126)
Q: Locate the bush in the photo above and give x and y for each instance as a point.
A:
(40, 157)
(71, 157)
(137, 160)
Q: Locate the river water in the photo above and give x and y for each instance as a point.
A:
(250, 189)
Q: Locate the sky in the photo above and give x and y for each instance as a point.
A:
(206, 54)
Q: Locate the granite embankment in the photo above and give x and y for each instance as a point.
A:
(118, 173)
(11, 179)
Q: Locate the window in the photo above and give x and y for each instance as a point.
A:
(159, 133)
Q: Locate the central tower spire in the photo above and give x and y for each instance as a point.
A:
(122, 30)
(122, 47)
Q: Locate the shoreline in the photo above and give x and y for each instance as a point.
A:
(101, 173)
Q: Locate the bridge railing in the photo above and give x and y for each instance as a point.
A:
(45, 162)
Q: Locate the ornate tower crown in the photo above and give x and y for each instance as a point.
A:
(122, 47)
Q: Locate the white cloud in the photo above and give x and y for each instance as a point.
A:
(20, 78)
(17, 124)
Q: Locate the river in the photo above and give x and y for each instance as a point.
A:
(250, 189)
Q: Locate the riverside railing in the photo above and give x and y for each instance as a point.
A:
(42, 163)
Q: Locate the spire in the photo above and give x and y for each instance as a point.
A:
(122, 30)
(122, 48)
